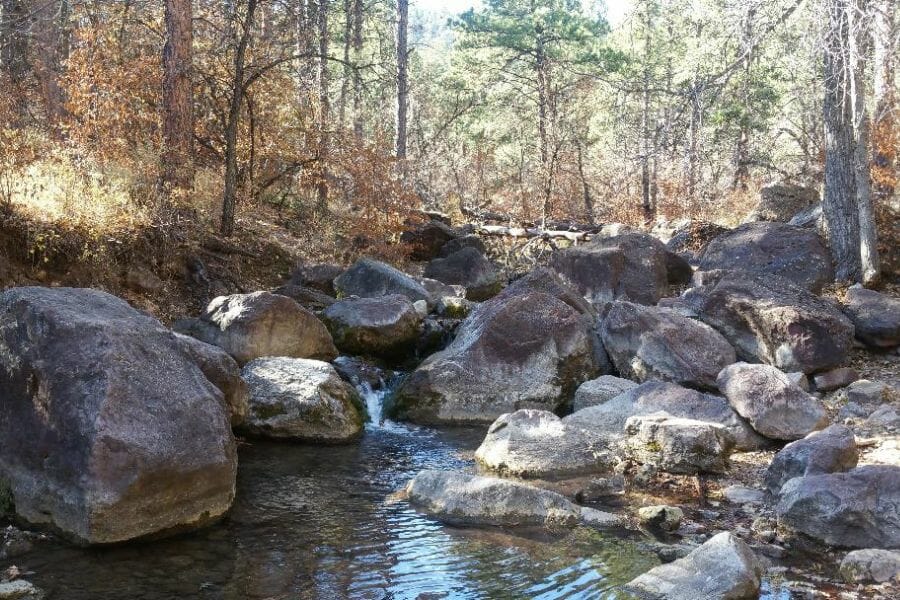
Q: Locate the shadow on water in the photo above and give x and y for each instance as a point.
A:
(321, 523)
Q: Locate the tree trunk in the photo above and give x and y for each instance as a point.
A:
(348, 71)
(357, 75)
(742, 148)
(324, 108)
(14, 50)
(402, 77)
(839, 203)
(229, 197)
(884, 134)
(178, 100)
(646, 185)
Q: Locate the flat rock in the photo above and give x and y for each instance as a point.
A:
(871, 566)
(723, 568)
(771, 402)
(678, 445)
(876, 316)
(831, 450)
(597, 391)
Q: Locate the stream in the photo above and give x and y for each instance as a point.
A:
(320, 522)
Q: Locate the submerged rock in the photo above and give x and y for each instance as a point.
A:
(461, 499)
(646, 342)
(723, 568)
(856, 509)
(774, 405)
(110, 429)
(536, 443)
(249, 326)
(303, 400)
(830, 450)
(388, 326)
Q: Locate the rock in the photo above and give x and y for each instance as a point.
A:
(631, 266)
(369, 278)
(739, 494)
(870, 566)
(646, 342)
(774, 406)
(886, 416)
(597, 391)
(110, 430)
(249, 326)
(866, 392)
(467, 241)
(546, 281)
(15, 542)
(524, 350)
(454, 308)
(780, 202)
(610, 417)
(458, 498)
(876, 317)
(799, 379)
(678, 270)
(20, 590)
(600, 488)
(469, 268)
(223, 372)
(536, 443)
(142, 279)
(690, 239)
(309, 298)
(811, 218)
(771, 320)
(830, 450)
(678, 445)
(426, 239)
(856, 509)
(441, 291)
(794, 253)
(723, 568)
(300, 399)
(387, 326)
(318, 277)
(834, 379)
(661, 517)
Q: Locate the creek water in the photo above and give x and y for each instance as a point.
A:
(322, 523)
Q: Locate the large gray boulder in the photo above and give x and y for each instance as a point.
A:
(388, 326)
(876, 316)
(830, 450)
(224, 373)
(773, 404)
(319, 277)
(780, 202)
(426, 238)
(249, 326)
(769, 319)
(630, 266)
(723, 568)
(369, 278)
(871, 566)
(469, 268)
(609, 418)
(794, 253)
(466, 241)
(536, 443)
(458, 498)
(678, 445)
(646, 342)
(856, 509)
(548, 282)
(519, 350)
(110, 429)
(689, 240)
(597, 391)
(300, 399)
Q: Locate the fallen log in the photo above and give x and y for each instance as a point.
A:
(532, 232)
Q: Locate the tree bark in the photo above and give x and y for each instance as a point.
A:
(357, 75)
(178, 99)
(884, 133)
(647, 206)
(402, 77)
(324, 108)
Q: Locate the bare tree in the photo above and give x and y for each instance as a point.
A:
(324, 106)
(402, 77)
(884, 133)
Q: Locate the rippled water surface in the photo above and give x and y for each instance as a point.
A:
(319, 522)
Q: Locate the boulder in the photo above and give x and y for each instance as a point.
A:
(876, 317)
(610, 417)
(524, 350)
(678, 270)
(769, 319)
(458, 498)
(300, 399)
(388, 326)
(425, 240)
(834, 379)
(690, 240)
(223, 372)
(369, 278)
(780, 202)
(20, 589)
(548, 282)
(856, 509)
(110, 429)
(249, 326)
(318, 277)
(536, 443)
(774, 405)
(467, 241)
(646, 342)
(597, 391)
(469, 268)
(870, 566)
(660, 517)
(810, 218)
(831, 450)
(678, 445)
(724, 568)
(309, 298)
(631, 266)
(794, 253)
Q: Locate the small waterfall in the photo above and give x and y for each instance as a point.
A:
(374, 385)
